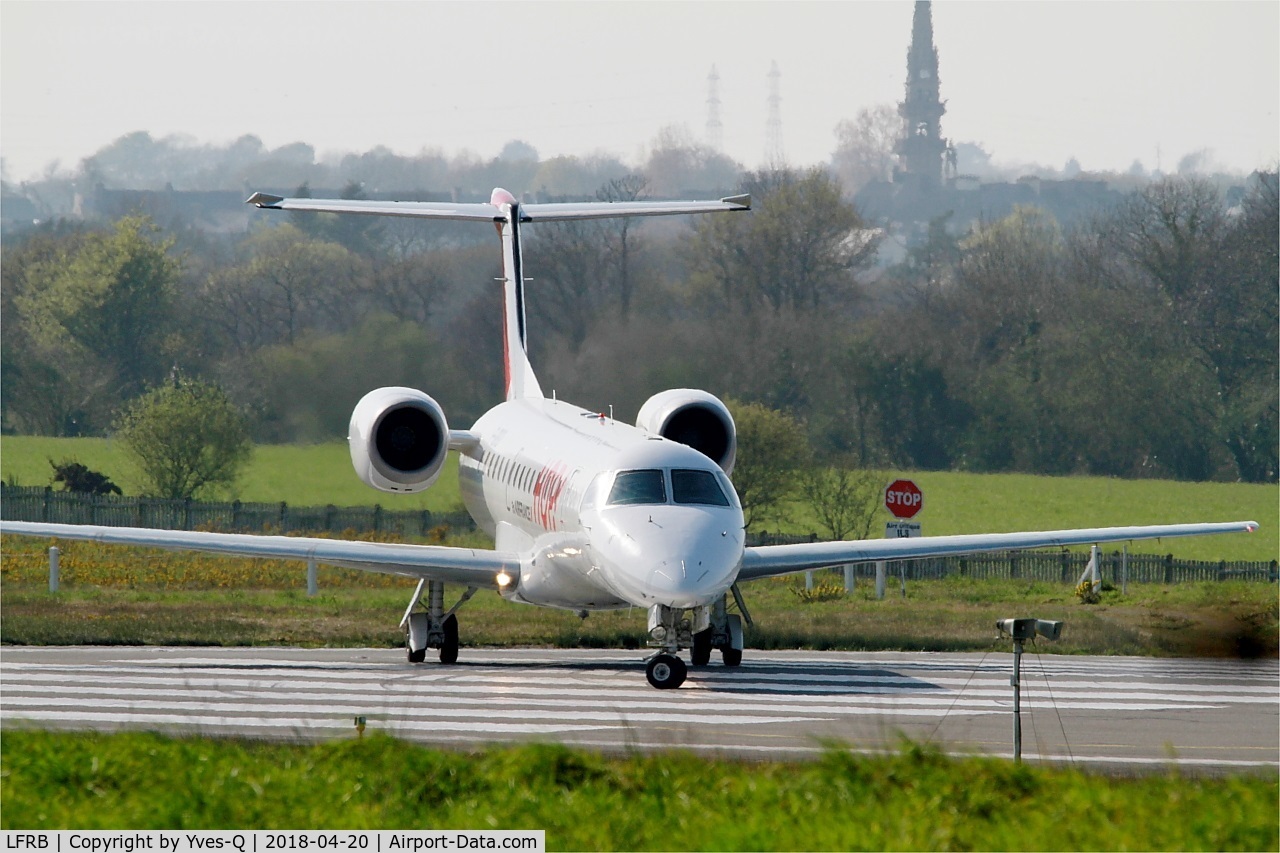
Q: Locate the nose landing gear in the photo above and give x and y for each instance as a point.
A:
(701, 630)
(665, 671)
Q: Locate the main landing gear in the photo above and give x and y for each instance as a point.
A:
(434, 629)
(701, 630)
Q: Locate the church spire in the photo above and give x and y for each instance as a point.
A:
(921, 147)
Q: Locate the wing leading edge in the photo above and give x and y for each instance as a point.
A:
(467, 566)
(766, 561)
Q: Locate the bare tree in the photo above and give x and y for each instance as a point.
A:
(845, 501)
(865, 147)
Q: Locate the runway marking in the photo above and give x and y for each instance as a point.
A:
(284, 724)
(776, 704)
(968, 700)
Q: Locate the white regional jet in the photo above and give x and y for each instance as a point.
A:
(587, 513)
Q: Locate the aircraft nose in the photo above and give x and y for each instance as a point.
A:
(678, 556)
(694, 568)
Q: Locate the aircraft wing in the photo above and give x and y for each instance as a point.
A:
(766, 561)
(472, 567)
(482, 211)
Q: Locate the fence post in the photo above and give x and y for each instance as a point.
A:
(1168, 568)
(54, 555)
(284, 510)
(882, 571)
(328, 518)
(849, 581)
(312, 584)
(186, 514)
(1066, 567)
(44, 508)
(235, 515)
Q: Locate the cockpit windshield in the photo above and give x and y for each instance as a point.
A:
(638, 487)
(691, 486)
(649, 486)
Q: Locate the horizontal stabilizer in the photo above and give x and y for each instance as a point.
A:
(488, 211)
(426, 209)
(605, 209)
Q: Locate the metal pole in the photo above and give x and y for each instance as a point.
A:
(848, 578)
(53, 568)
(312, 586)
(808, 581)
(882, 571)
(1017, 701)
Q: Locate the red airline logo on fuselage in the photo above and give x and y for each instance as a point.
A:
(546, 494)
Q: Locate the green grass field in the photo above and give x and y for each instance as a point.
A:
(299, 474)
(915, 799)
(954, 502)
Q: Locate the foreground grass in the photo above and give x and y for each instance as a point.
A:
(955, 502)
(914, 800)
(1233, 619)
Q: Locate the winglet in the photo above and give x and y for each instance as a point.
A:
(264, 200)
(741, 201)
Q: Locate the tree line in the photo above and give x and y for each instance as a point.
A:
(1140, 343)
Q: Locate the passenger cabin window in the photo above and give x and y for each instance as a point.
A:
(690, 486)
(638, 487)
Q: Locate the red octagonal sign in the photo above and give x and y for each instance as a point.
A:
(903, 499)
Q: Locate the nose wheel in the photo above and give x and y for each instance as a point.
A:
(665, 671)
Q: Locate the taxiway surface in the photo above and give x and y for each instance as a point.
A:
(1086, 710)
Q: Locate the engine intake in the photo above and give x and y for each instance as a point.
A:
(399, 439)
(695, 419)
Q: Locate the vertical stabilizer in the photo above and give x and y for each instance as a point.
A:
(519, 377)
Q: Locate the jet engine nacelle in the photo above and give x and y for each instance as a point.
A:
(399, 439)
(695, 419)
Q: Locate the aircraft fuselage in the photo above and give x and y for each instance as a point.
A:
(611, 515)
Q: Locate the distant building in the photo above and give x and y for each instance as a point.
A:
(925, 184)
(921, 147)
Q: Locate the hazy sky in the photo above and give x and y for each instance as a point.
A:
(1038, 82)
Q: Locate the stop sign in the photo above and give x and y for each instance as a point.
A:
(903, 499)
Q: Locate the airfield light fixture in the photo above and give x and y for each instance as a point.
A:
(1021, 630)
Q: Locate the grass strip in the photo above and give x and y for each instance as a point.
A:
(1229, 619)
(915, 799)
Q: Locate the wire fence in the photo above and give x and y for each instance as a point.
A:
(1058, 566)
(44, 504)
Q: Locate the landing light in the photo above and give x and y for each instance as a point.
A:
(503, 578)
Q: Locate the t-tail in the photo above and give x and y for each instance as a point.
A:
(509, 215)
